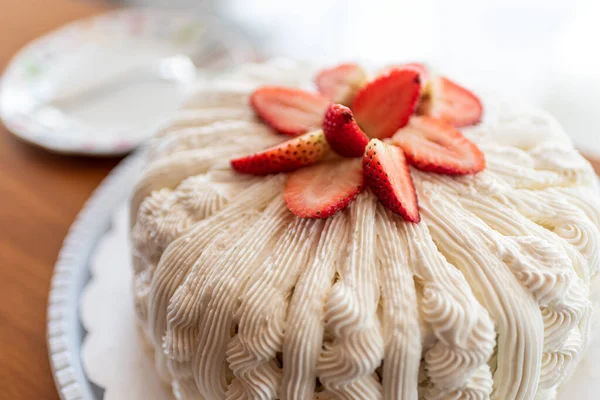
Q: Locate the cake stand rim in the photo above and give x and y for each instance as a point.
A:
(65, 333)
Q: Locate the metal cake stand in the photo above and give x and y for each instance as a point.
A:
(66, 333)
(71, 274)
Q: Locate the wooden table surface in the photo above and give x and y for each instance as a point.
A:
(40, 194)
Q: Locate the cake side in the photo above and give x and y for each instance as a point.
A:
(488, 297)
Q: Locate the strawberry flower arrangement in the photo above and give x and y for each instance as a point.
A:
(357, 132)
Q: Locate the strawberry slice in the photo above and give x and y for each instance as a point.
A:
(341, 83)
(387, 174)
(285, 157)
(342, 132)
(425, 95)
(289, 110)
(416, 66)
(452, 103)
(324, 189)
(385, 104)
(436, 146)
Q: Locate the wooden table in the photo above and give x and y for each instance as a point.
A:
(40, 194)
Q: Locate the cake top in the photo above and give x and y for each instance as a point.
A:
(486, 296)
(415, 112)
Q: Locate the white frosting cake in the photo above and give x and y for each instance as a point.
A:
(487, 297)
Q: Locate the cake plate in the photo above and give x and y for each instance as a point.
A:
(66, 333)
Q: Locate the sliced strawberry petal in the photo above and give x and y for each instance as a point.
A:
(425, 95)
(385, 104)
(436, 146)
(285, 157)
(341, 83)
(289, 110)
(416, 66)
(324, 189)
(452, 103)
(343, 133)
(387, 174)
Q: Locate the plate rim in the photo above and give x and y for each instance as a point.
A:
(64, 330)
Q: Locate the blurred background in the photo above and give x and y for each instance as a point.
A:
(539, 50)
(545, 51)
(542, 50)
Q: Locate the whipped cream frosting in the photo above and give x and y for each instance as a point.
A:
(487, 298)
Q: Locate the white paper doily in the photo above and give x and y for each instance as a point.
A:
(113, 354)
(116, 358)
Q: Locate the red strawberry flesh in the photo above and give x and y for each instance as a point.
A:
(388, 175)
(341, 82)
(385, 104)
(436, 146)
(289, 110)
(324, 189)
(416, 66)
(452, 103)
(285, 157)
(343, 133)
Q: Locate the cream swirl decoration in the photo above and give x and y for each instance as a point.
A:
(486, 298)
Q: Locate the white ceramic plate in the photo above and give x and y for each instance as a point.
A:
(100, 86)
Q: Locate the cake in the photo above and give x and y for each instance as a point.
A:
(466, 275)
